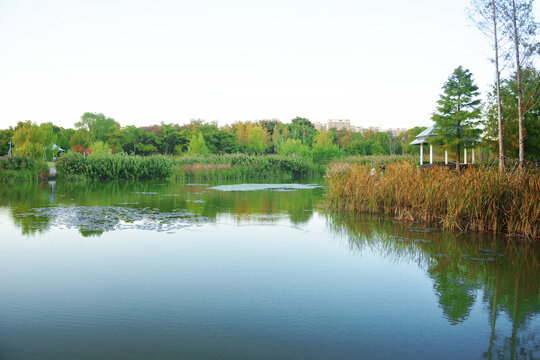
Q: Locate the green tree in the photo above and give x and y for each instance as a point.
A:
(303, 129)
(49, 139)
(5, 137)
(30, 140)
(63, 138)
(100, 127)
(381, 144)
(324, 148)
(408, 136)
(531, 121)
(99, 150)
(487, 16)
(520, 30)
(458, 111)
(291, 146)
(255, 140)
(197, 145)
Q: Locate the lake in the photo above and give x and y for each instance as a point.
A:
(256, 271)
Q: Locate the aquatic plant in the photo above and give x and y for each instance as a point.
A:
(15, 169)
(238, 166)
(115, 167)
(472, 200)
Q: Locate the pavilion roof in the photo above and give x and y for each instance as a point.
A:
(421, 138)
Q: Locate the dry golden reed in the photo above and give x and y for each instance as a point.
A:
(473, 200)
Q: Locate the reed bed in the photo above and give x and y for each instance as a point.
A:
(472, 200)
(15, 169)
(242, 166)
(114, 167)
(378, 159)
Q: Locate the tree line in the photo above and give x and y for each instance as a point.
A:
(97, 134)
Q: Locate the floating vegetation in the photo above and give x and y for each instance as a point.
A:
(107, 218)
(271, 187)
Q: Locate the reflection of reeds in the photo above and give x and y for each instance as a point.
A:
(475, 199)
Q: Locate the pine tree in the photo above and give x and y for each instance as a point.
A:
(197, 145)
(458, 111)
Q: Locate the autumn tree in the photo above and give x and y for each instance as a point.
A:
(80, 140)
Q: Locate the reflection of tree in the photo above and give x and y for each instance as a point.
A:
(89, 233)
(20, 199)
(505, 273)
(456, 293)
(259, 206)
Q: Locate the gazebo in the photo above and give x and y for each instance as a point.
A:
(421, 139)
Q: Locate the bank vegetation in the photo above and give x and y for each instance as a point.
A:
(476, 199)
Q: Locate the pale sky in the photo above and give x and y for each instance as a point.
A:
(143, 62)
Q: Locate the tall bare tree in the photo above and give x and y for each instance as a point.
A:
(486, 15)
(520, 29)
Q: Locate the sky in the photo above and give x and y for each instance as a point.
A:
(377, 63)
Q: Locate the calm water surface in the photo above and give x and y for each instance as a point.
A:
(201, 271)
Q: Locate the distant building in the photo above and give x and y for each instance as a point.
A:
(319, 126)
(345, 124)
(396, 131)
(339, 124)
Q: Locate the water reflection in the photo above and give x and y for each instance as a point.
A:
(504, 275)
(95, 207)
(266, 279)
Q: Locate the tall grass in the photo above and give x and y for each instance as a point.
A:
(116, 167)
(378, 159)
(15, 169)
(234, 166)
(473, 200)
(239, 166)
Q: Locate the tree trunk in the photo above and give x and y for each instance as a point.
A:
(519, 89)
(458, 163)
(497, 72)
